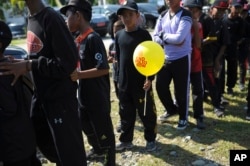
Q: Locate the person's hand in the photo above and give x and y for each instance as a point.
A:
(110, 59)
(14, 68)
(74, 75)
(147, 84)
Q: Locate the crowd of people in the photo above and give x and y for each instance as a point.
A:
(203, 52)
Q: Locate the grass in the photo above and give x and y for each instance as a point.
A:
(181, 148)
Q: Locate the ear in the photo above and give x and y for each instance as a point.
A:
(78, 15)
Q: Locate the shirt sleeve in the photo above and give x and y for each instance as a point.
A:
(181, 33)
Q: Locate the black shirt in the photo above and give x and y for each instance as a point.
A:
(129, 78)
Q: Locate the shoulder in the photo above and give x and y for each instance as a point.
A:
(185, 12)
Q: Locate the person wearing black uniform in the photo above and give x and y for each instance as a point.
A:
(17, 136)
(132, 84)
(216, 39)
(236, 28)
(53, 57)
(94, 82)
(244, 47)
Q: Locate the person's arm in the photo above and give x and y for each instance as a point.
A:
(95, 50)
(196, 35)
(178, 37)
(157, 35)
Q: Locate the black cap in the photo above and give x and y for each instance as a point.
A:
(5, 34)
(222, 4)
(192, 3)
(129, 5)
(82, 5)
(239, 3)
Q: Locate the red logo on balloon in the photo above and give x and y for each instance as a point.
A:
(141, 61)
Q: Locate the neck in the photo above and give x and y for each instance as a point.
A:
(174, 9)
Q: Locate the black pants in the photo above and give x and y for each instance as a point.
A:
(232, 65)
(179, 72)
(97, 126)
(58, 131)
(197, 93)
(212, 85)
(31, 161)
(244, 52)
(130, 104)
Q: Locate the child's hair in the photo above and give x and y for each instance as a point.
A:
(113, 18)
(5, 36)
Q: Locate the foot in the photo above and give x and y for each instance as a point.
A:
(118, 128)
(200, 123)
(224, 101)
(93, 154)
(182, 124)
(248, 116)
(230, 91)
(164, 117)
(151, 146)
(218, 112)
(123, 145)
(241, 87)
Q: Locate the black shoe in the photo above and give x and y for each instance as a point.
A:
(248, 115)
(119, 128)
(230, 91)
(182, 124)
(200, 123)
(92, 154)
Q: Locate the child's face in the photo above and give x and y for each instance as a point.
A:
(235, 10)
(129, 18)
(72, 21)
(194, 11)
(217, 13)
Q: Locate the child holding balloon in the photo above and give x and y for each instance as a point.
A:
(132, 84)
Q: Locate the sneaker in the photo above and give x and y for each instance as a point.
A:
(248, 116)
(219, 113)
(241, 87)
(224, 101)
(182, 124)
(93, 154)
(200, 123)
(118, 128)
(123, 145)
(166, 115)
(151, 146)
(230, 91)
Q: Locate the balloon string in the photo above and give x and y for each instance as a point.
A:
(145, 99)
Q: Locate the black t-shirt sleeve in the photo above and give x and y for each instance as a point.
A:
(97, 51)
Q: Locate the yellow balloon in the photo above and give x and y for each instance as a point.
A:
(148, 58)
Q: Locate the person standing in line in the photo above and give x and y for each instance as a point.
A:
(244, 47)
(132, 84)
(216, 39)
(17, 135)
(52, 58)
(236, 28)
(173, 32)
(117, 25)
(94, 82)
(196, 79)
